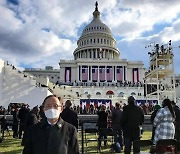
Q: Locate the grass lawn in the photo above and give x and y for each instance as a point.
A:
(13, 146)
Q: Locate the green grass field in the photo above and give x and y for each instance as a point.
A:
(13, 146)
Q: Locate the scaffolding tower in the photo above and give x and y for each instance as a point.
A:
(160, 78)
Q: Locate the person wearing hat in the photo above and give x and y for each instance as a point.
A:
(132, 119)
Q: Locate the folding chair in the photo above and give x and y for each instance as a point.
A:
(142, 144)
(91, 134)
(108, 132)
(166, 146)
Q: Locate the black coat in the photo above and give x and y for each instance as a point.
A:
(31, 119)
(132, 118)
(43, 138)
(22, 114)
(102, 119)
(116, 119)
(70, 116)
(177, 113)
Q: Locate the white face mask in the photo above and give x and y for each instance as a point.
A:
(52, 113)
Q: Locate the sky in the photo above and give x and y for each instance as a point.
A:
(38, 33)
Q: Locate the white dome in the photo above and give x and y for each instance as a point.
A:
(96, 26)
(96, 41)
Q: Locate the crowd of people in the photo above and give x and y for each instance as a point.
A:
(102, 84)
(55, 126)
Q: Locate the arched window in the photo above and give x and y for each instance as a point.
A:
(121, 94)
(98, 93)
(133, 93)
(86, 93)
(110, 92)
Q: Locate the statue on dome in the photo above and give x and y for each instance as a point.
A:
(96, 4)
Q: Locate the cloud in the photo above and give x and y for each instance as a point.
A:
(136, 47)
(40, 33)
(132, 18)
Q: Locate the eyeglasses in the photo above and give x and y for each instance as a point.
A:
(52, 106)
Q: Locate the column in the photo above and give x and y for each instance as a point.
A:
(79, 73)
(96, 54)
(90, 73)
(122, 74)
(125, 73)
(115, 77)
(86, 53)
(98, 73)
(103, 53)
(91, 53)
(105, 73)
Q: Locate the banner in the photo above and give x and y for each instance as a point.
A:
(84, 73)
(135, 75)
(94, 73)
(119, 74)
(67, 74)
(109, 73)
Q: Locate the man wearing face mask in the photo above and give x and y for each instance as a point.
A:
(52, 135)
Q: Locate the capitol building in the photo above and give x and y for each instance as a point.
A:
(97, 74)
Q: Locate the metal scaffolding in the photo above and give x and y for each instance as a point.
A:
(160, 78)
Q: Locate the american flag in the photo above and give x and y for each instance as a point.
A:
(99, 103)
(135, 75)
(84, 73)
(83, 104)
(94, 73)
(108, 104)
(91, 103)
(102, 73)
(109, 74)
(119, 74)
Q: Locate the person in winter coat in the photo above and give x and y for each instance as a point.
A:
(70, 115)
(52, 135)
(132, 119)
(164, 122)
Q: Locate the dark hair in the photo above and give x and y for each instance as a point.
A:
(167, 102)
(131, 100)
(68, 104)
(49, 97)
(117, 104)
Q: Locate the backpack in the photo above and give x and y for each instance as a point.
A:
(116, 147)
